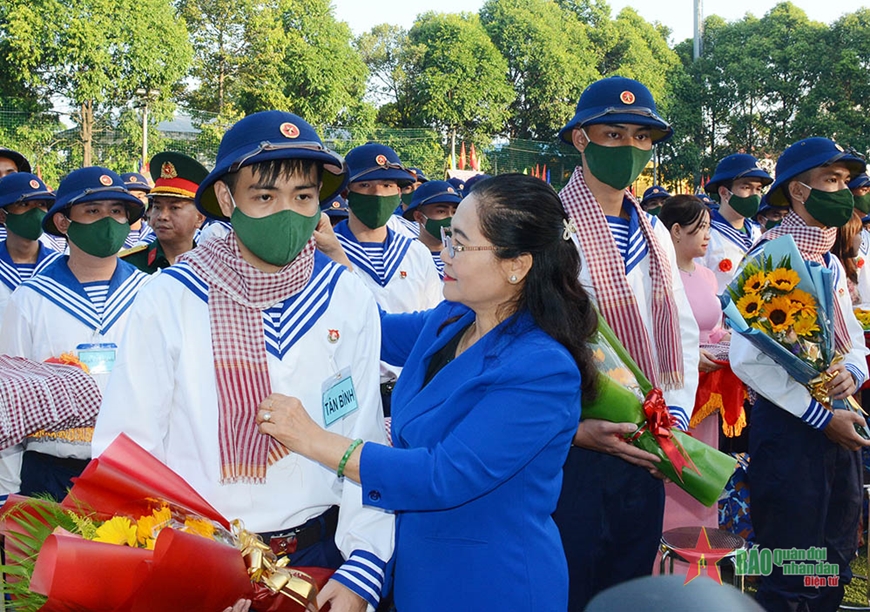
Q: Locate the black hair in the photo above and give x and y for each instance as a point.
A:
(270, 170)
(522, 214)
(684, 210)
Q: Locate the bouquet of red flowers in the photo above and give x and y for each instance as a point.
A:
(132, 535)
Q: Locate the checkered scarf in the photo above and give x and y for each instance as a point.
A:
(237, 295)
(814, 243)
(614, 295)
(43, 396)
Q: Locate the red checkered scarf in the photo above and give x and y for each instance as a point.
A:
(38, 396)
(237, 295)
(814, 243)
(615, 298)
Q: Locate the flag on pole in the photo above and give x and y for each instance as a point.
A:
(473, 160)
(462, 156)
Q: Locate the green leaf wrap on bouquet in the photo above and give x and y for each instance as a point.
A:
(626, 396)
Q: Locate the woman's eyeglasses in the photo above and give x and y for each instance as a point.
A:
(453, 249)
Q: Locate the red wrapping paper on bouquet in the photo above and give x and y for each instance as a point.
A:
(184, 571)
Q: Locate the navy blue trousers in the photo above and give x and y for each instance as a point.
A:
(610, 518)
(806, 492)
(43, 474)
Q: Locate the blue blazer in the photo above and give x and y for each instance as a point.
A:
(476, 467)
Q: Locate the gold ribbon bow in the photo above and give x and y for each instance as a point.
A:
(265, 567)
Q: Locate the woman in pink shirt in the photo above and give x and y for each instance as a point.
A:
(688, 220)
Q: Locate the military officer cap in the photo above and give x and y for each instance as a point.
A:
(617, 99)
(91, 184)
(266, 136)
(805, 155)
(862, 180)
(376, 162)
(433, 192)
(176, 175)
(20, 161)
(737, 166)
(136, 182)
(21, 187)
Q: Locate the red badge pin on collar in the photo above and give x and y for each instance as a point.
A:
(403, 274)
(333, 336)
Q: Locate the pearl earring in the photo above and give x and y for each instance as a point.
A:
(513, 278)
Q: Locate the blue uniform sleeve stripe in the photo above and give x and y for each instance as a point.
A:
(816, 415)
(361, 587)
(371, 558)
(856, 374)
(682, 418)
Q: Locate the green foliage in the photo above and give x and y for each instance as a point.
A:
(32, 527)
(550, 61)
(302, 60)
(458, 77)
(94, 53)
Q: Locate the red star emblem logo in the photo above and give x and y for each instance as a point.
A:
(381, 160)
(288, 130)
(627, 97)
(34, 184)
(105, 179)
(703, 555)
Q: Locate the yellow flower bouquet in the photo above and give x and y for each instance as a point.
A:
(784, 306)
(133, 535)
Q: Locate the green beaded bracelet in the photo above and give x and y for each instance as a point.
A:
(340, 471)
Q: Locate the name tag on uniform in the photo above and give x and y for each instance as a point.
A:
(100, 358)
(339, 397)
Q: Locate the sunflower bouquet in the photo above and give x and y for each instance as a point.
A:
(784, 306)
(132, 535)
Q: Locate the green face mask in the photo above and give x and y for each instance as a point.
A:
(102, 238)
(373, 211)
(748, 206)
(433, 226)
(276, 239)
(771, 223)
(830, 208)
(28, 224)
(654, 211)
(407, 197)
(862, 203)
(616, 166)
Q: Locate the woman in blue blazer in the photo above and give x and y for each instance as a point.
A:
(483, 413)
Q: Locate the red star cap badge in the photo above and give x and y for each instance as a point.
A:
(627, 97)
(381, 160)
(34, 184)
(105, 179)
(288, 130)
